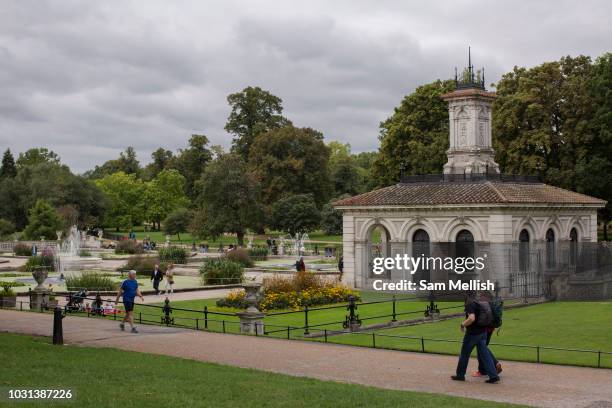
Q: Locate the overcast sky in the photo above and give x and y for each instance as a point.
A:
(88, 78)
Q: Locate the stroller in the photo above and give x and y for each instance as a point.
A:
(75, 301)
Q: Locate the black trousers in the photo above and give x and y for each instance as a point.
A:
(156, 285)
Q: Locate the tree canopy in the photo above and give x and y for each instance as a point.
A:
(43, 221)
(254, 111)
(291, 161)
(295, 213)
(229, 199)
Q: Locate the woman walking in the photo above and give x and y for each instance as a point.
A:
(169, 284)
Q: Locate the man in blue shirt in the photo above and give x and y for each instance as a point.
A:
(129, 290)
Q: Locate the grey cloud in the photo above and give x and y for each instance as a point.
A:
(88, 79)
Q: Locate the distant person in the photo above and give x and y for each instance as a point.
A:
(129, 290)
(169, 284)
(300, 266)
(316, 249)
(478, 318)
(269, 243)
(156, 276)
(34, 250)
(193, 247)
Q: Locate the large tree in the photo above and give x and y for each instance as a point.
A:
(229, 199)
(415, 136)
(290, 161)
(161, 159)
(345, 173)
(127, 163)
(43, 221)
(192, 161)
(126, 199)
(36, 156)
(295, 213)
(8, 169)
(164, 194)
(54, 183)
(254, 111)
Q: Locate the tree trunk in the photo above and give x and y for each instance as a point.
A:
(178, 236)
(240, 238)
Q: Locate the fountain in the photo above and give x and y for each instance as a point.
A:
(293, 244)
(68, 256)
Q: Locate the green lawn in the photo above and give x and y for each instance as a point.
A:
(104, 377)
(577, 325)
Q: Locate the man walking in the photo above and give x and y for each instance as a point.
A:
(129, 290)
(474, 326)
(156, 277)
(487, 297)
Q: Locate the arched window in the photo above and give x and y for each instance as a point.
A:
(573, 247)
(420, 247)
(550, 248)
(378, 247)
(464, 246)
(524, 250)
(574, 235)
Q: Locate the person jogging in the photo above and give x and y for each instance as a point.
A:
(474, 326)
(129, 290)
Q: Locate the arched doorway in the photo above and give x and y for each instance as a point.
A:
(378, 247)
(524, 250)
(573, 247)
(464, 247)
(550, 248)
(420, 247)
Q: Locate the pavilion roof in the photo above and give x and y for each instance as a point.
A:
(484, 192)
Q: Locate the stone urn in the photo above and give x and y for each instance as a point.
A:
(40, 275)
(251, 320)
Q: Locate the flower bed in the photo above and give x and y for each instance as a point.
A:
(303, 289)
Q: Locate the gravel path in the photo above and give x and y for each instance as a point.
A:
(522, 383)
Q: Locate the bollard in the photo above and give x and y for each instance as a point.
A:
(306, 332)
(58, 332)
(206, 317)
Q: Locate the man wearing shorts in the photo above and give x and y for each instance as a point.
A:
(129, 290)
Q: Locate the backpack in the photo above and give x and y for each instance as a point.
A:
(497, 309)
(485, 314)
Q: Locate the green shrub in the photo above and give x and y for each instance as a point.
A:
(219, 271)
(143, 265)
(258, 253)
(129, 246)
(7, 290)
(241, 256)
(173, 254)
(22, 249)
(90, 281)
(45, 261)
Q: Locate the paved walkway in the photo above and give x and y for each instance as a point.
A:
(522, 383)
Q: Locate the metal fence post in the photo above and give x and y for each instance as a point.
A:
(223, 325)
(538, 350)
(422, 345)
(288, 332)
(373, 340)
(325, 334)
(599, 359)
(140, 317)
(306, 332)
(197, 324)
(206, 317)
(394, 316)
(58, 331)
